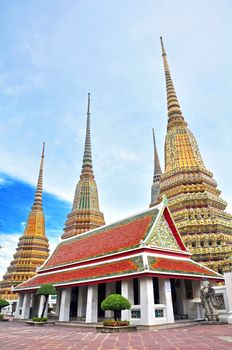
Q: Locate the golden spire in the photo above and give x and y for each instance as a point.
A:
(85, 214)
(87, 158)
(39, 189)
(32, 249)
(174, 111)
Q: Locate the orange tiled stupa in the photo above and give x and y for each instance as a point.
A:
(85, 214)
(194, 198)
(32, 248)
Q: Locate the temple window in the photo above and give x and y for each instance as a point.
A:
(136, 291)
(193, 244)
(202, 243)
(218, 242)
(210, 243)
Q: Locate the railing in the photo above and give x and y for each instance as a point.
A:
(135, 312)
(159, 311)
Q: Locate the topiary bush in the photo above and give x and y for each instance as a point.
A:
(3, 303)
(115, 303)
(46, 290)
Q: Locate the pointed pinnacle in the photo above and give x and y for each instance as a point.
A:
(38, 204)
(87, 158)
(162, 46)
(43, 150)
(173, 105)
(88, 108)
(157, 168)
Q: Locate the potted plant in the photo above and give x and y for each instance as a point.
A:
(115, 303)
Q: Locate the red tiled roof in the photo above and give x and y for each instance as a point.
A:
(125, 266)
(120, 267)
(179, 266)
(124, 235)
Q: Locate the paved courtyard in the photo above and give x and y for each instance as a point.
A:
(19, 336)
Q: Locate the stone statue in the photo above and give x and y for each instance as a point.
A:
(209, 302)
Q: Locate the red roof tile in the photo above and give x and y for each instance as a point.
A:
(179, 266)
(124, 235)
(125, 266)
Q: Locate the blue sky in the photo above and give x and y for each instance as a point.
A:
(54, 52)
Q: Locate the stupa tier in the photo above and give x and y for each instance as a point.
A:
(32, 249)
(85, 214)
(194, 198)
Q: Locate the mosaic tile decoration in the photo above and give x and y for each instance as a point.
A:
(163, 236)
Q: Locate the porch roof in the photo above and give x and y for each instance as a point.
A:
(127, 267)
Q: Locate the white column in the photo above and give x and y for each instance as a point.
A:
(126, 285)
(58, 301)
(110, 289)
(65, 305)
(81, 303)
(92, 304)
(131, 291)
(181, 298)
(26, 306)
(41, 306)
(166, 298)
(228, 284)
(196, 295)
(147, 301)
(19, 305)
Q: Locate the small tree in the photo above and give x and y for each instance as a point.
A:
(46, 290)
(3, 303)
(115, 303)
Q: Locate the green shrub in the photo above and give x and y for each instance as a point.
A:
(3, 303)
(1, 316)
(115, 303)
(39, 319)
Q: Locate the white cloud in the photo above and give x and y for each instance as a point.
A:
(2, 181)
(8, 243)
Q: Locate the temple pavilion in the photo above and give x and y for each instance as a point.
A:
(32, 248)
(194, 199)
(141, 257)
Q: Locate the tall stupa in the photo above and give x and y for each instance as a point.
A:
(85, 214)
(194, 198)
(32, 248)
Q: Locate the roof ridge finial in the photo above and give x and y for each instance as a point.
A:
(174, 111)
(87, 158)
(38, 204)
(157, 167)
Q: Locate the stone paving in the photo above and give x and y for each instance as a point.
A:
(19, 336)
